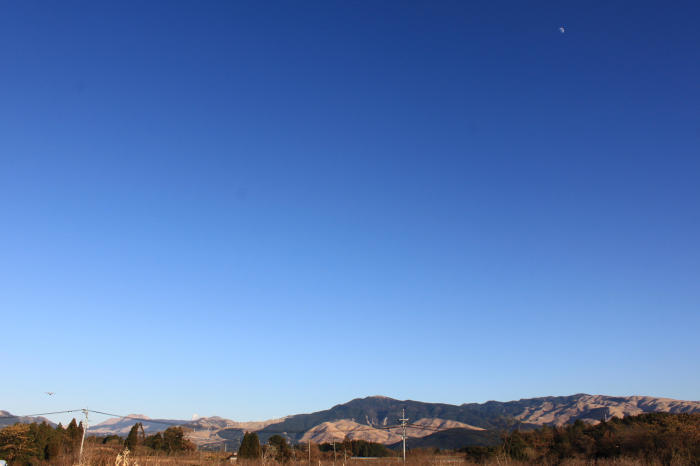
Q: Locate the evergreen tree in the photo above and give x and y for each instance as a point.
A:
(73, 434)
(133, 438)
(16, 444)
(111, 438)
(54, 446)
(155, 441)
(72, 430)
(284, 452)
(174, 440)
(250, 446)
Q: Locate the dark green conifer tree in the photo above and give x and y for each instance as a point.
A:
(155, 441)
(133, 438)
(174, 440)
(250, 446)
(284, 451)
(73, 434)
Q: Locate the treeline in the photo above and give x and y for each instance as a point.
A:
(39, 443)
(278, 449)
(655, 437)
(360, 448)
(172, 440)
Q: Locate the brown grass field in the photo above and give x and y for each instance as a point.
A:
(106, 455)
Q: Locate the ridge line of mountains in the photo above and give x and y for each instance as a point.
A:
(433, 424)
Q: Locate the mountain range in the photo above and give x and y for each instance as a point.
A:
(441, 425)
(8, 419)
(432, 424)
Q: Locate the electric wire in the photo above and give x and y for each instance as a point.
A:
(14, 416)
(185, 423)
(143, 421)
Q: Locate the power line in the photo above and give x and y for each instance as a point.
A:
(14, 416)
(404, 424)
(150, 421)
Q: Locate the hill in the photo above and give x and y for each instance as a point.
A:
(122, 425)
(649, 438)
(329, 432)
(8, 419)
(560, 410)
(451, 439)
(372, 418)
(379, 411)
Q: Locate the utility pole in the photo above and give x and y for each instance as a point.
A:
(82, 440)
(333, 452)
(403, 422)
(309, 450)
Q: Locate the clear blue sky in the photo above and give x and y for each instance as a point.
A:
(253, 209)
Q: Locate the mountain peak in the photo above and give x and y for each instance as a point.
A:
(374, 417)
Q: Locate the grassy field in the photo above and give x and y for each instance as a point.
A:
(103, 456)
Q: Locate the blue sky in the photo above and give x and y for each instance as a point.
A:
(252, 210)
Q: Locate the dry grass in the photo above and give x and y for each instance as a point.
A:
(109, 456)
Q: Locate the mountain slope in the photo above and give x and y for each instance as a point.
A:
(451, 439)
(216, 422)
(559, 410)
(122, 426)
(370, 418)
(8, 419)
(379, 411)
(328, 432)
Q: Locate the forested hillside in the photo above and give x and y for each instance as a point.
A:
(655, 437)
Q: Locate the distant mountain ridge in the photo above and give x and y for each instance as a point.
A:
(588, 408)
(328, 432)
(122, 425)
(8, 419)
(530, 412)
(368, 419)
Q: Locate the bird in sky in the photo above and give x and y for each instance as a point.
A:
(50, 393)
(562, 29)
